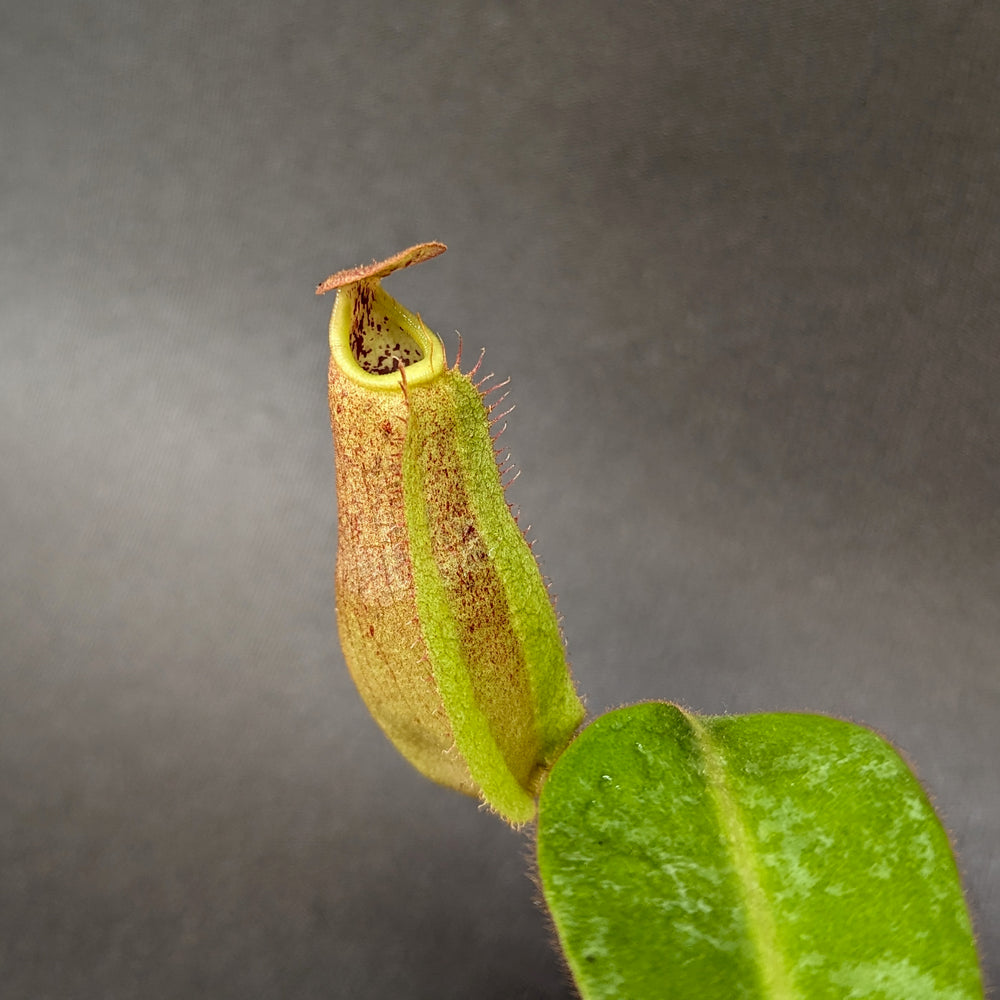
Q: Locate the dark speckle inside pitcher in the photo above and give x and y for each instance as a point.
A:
(379, 344)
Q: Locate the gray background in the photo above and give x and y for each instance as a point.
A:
(743, 264)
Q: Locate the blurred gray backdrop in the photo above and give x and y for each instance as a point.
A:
(743, 265)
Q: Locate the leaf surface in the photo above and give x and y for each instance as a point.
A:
(758, 857)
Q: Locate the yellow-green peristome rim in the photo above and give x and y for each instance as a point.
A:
(431, 365)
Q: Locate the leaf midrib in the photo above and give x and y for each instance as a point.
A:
(775, 978)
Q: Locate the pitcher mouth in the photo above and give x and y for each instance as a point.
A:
(372, 336)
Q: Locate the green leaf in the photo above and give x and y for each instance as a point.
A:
(747, 857)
